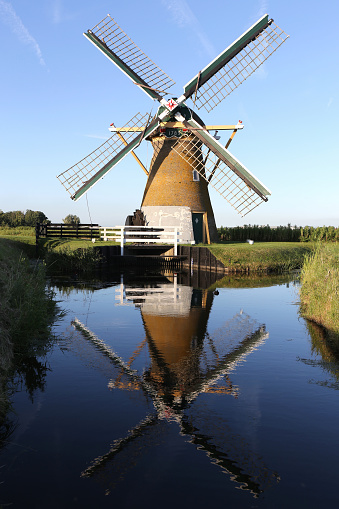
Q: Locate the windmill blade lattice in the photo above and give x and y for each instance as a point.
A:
(222, 171)
(239, 66)
(78, 175)
(120, 48)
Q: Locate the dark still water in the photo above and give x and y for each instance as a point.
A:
(157, 394)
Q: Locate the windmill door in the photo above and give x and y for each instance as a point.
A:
(198, 224)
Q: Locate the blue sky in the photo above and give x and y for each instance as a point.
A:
(59, 95)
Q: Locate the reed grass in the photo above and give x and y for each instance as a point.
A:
(26, 309)
(67, 259)
(25, 302)
(319, 292)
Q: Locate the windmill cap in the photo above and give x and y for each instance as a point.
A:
(184, 110)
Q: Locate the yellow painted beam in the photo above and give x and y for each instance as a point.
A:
(133, 154)
(178, 124)
(231, 138)
(218, 161)
(224, 127)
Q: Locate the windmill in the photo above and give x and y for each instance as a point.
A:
(187, 158)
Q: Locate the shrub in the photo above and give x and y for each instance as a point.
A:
(34, 216)
(71, 219)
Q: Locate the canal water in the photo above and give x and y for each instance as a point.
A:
(154, 393)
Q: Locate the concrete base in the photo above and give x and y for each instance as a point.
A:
(158, 216)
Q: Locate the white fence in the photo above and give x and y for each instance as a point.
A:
(142, 235)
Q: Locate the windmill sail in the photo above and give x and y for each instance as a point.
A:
(235, 64)
(79, 178)
(233, 181)
(125, 54)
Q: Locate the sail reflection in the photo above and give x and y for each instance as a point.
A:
(185, 361)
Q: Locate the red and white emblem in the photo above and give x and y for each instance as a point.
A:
(171, 104)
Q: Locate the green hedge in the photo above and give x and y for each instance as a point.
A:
(278, 234)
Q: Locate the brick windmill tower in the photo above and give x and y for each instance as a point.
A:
(175, 191)
(187, 159)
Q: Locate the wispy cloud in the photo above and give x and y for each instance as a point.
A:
(59, 13)
(10, 18)
(56, 12)
(263, 7)
(97, 137)
(330, 101)
(184, 17)
(261, 73)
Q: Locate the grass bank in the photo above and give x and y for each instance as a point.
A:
(21, 238)
(59, 255)
(262, 256)
(26, 309)
(73, 256)
(80, 255)
(319, 292)
(77, 255)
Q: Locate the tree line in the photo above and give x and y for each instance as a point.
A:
(257, 233)
(278, 234)
(16, 218)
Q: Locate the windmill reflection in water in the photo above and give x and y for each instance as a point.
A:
(185, 361)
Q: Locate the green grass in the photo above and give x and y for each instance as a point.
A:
(320, 287)
(237, 257)
(59, 244)
(69, 255)
(21, 238)
(59, 255)
(261, 256)
(25, 236)
(25, 231)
